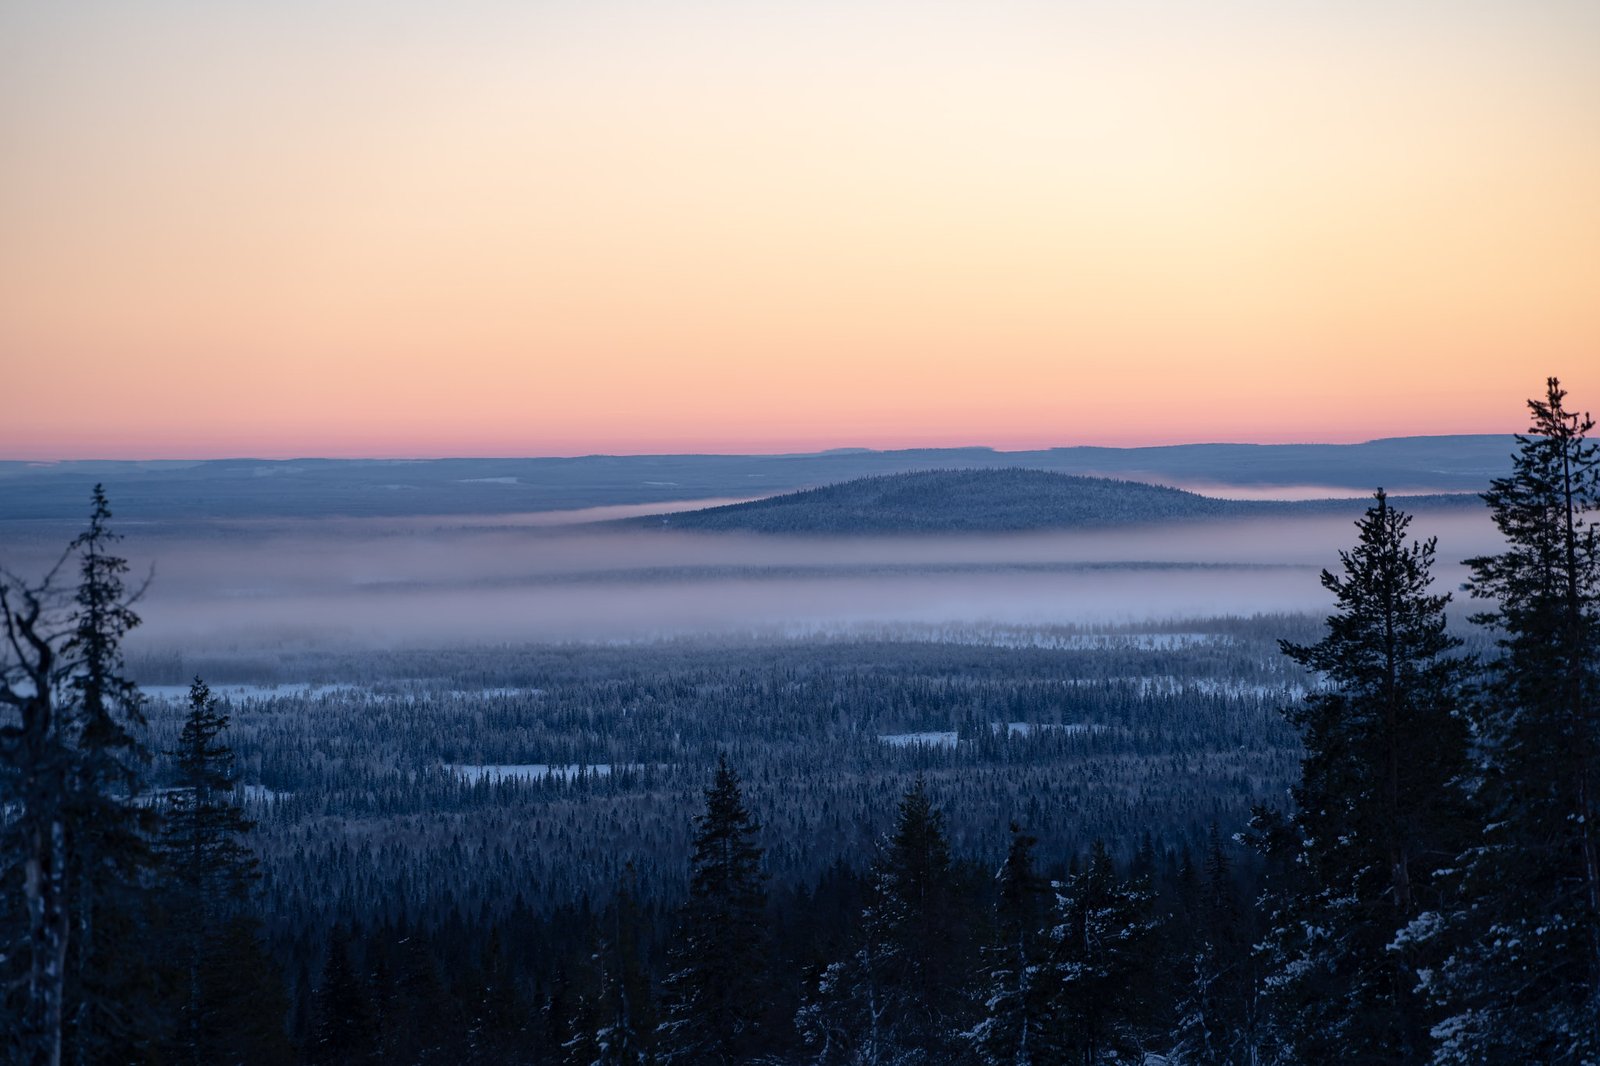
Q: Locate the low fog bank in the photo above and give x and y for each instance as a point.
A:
(1223, 490)
(418, 583)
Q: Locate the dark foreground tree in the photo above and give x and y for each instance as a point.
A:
(228, 991)
(114, 998)
(1522, 980)
(76, 849)
(1219, 1020)
(1102, 964)
(1019, 1025)
(902, 996)
(716, 992)
(619, 1023)
(37, 755)
(1376, 816)
(346, 1031)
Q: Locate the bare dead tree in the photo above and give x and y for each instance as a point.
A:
(35, 762)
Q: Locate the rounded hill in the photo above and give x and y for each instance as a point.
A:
(957, 501)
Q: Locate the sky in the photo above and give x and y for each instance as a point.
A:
(330, 227)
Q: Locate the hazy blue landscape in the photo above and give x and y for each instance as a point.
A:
(249, 488)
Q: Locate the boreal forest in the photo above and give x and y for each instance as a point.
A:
(1366, 834)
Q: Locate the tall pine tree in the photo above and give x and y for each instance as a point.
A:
(1018, 1027)
(1522, 980)
(1376, 816)
(1218, 1023)
(618, 1013)
(225, 981)
(79, 847)
(346, 1029)
(109, 831)
(715, 994)
(901, 997)
(1101, 964)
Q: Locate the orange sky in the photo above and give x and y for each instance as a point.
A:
(363, 228)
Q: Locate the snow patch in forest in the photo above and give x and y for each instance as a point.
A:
(250, 692)
(1170, 684)
(532, 771)
(1024, 729)
(1050, 638)
(503, 690)
(928, 740)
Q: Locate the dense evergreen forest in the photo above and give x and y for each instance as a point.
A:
(1365, 838)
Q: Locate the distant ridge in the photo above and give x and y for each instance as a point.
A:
(186, 490)
(990, 500)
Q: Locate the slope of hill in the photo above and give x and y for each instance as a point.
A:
(954, 501)
(964, 501)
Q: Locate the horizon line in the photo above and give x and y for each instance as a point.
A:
(832, 450)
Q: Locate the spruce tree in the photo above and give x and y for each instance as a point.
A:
(627, 1034)
(346, 1032)
(246, 1002)
(1101, 964)
(617, 1026)
(915, 906)
(497, 1023)
(1521, 982)
(715, 994)
(114, 1001)
(1375, 816)
(225, 980)
(1218, 1024)
(900, 996)
(73, 762)
(1018, 1027)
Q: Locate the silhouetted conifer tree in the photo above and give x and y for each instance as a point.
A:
(225, 979)
(73, 762)
(1377, 814)
(1521, 981)
(496, 1025)
(1218, 1023)
(716, 992)
(900, 996)
(345, 1029)
(245, 1002)
(627, 1033)
(114, 996)
(1102, 963)
(1019, 1027)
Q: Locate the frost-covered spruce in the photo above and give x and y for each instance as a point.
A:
(1520, 977)
(1019, 1026)
(715, 998)
(1101, 964)
(1376, 812)
(900, 997)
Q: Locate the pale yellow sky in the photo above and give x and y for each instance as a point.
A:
(407, 229)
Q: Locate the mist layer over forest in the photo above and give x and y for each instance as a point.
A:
(424, 582)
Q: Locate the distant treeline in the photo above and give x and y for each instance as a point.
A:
(186, 491)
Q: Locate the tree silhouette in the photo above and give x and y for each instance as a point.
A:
(714, 995)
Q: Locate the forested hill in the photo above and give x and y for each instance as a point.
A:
(987, 501)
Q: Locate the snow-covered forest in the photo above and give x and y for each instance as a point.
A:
(1276, 838)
